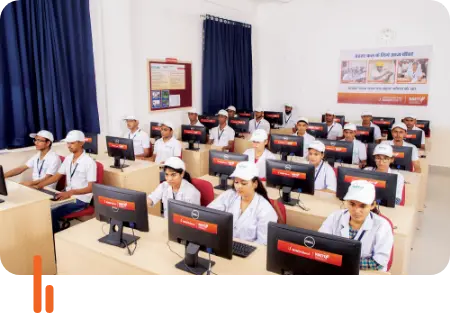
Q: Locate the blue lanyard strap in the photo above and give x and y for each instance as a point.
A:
(318, 172)
(40, 169)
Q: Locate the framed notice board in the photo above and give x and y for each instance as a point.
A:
(170, 84)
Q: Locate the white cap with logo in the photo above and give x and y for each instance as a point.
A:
(330, 112)
(303, 119)
(362, 191)
(193, 110)
(130, 118)
(223, 112)
(409, 115)
(384, 149)
(168, 124)
(366, 113)
(317, 145)
(44, 134)
(231, 108)
(175, 163)
(246, 171)
(259, 135)
(350, 126)
(258, 109)
(288, 105)
(400, 125)
(74, 136)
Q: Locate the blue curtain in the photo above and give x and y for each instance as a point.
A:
(47, 78)
(227, 65)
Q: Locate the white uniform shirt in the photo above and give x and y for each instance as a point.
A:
(165, 150)
(187, 193)
(423, 134)
(334, 131)
(376, 130)
(80, 174)
(141, 141)
(400, 183)
(261, 164)
(262, 124)
(377, 238)
(288, 121)
(415, 151)
(221, 137)
(325, 178)
(307, 139)
(47, 166)
(359, 152)
(252, 224)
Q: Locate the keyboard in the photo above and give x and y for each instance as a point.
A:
(242, 250)
(50, 193)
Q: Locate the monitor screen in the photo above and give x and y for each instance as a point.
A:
(287, 145)
(193, 133)
(414, 137)
(239, 124)
(274, 118)
(299, 177)
(224, 162)
(91, 143)
(425, 126)
(338, 151)
(3, 190)
(365, 134)
(209, 121)
(385, 123)
(155, 130)
(318, 130)
(245, 114)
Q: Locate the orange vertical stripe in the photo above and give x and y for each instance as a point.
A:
(49, 299)
(37, 283)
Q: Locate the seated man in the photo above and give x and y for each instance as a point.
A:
(399, 133)
(222, 135)
(410, 121)
(141, 140)
(259, 122)
(167, 146)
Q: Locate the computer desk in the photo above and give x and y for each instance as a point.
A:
(197, 162)
(282, 131)
(26, 230)
(322, 204)
(79, 253)
(242, 144)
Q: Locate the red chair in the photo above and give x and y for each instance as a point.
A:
(391, 259)
(206, 190)
(90, 209)
(281, 212)
(402, 203)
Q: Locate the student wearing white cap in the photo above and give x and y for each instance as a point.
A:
(334, 130)
(399, 133)
(259, 122)
(167, 146)
(81, 173)
(44, 164)
(222, 135)
(259, 154)
(288, 116)
(367, 122)
(302, 126)
(384, 156)
(358, 222)
(359, 149)
(231, 111)
(249, 204)
(193, 118)
(177, 186)
(324, 175)
(410, 121)
(141, 140)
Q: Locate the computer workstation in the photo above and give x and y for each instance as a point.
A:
(286, 145)
(275, 119)
(193, 135)
(318, 130)
(338, 151)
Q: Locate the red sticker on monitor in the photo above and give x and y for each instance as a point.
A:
(362, 133)
(245, 114)
(336, 149)
(158, 128)
(289, 174)
(381, 122)
(420, 125)
(411, 136)
(116, 203)
(195, 224)
(337, 120)
(225, 162)
(272, 115)
(285, 143)
(88, 140)
(117, 146)
(399, 155)
(309, 253)
(205, 120)
(237, 122)
(192, 132)
(315, 127)
(376, 183)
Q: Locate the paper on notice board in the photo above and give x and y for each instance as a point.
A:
(174, 101)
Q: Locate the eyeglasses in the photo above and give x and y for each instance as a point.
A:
(382, 159)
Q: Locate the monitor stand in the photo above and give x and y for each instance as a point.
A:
(223, 183)
(117, 163)
(116, 237)
(284, 156)
(287, 197)
(1, 201)
(192, 263)
(191, 146)
(331, 161)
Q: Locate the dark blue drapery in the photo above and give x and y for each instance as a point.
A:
(227, 65)
(47, 77)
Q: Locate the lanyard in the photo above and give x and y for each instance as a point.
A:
(129, 135)
(287, 120)
(318, 172)
(74, 170)
(40, 169)
(220, 133)
(330, 129)
(257, 125)
(362, 235)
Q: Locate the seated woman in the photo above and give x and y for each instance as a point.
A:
(259, 154)
(359, 223)
(177, 186)
(384, 156)
(324, 177)
(249, 204)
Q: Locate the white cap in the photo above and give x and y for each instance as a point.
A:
(400, 125)
(259, 135)
(362, 191)
(330, 112)
(288, 105)
(74, 136)
(409, 115)
(168, 124)
(366, 113)
(350, 126)
(223, 112)
(130, 118)
(317, 145)
(175, 163)
(232, 108)
(43, 133)
(384, 149)
(303, 119)
(246, 171)
(193, 110)
(258, 109)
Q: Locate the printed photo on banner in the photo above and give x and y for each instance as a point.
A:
(156, 99)
(381, 71)
(165, 98)
(353, 72)
(412, 71)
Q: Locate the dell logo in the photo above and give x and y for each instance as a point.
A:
(309, 242)
(116, 140)
(195, 214)
(288, 167)
(226, 156)
(115, 210)
(285, 138)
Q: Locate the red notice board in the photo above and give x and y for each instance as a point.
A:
(169, 84)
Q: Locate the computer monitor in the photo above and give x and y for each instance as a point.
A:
(274, 118)
(290, 176)
(338, 151)
(193, 134)
(223, 164)
(318, 130)
(91, 143)
(337, 118)
(402, 157)
(365, 134)
(3, 190)
(209, 121)
(385, 123)
(120, 148)
(286, 145)
(155, 130)
(239, 124)
(120, 208)
(246, 114)
(200, 229)
(385, 184)
(425, 126)
(297, 251)
(414, 137)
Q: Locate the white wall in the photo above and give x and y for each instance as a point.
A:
(299, 43)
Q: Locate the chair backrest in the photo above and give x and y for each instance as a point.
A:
(100, 172)
(402, 203)
(206, 190)
(280, 209)
(391, 259)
